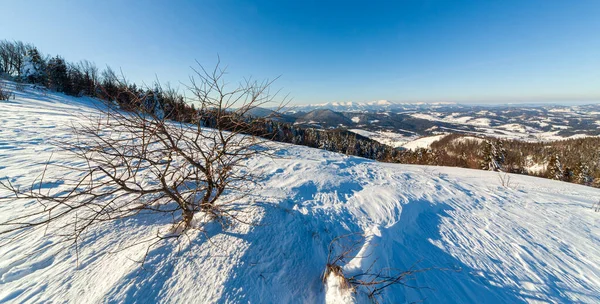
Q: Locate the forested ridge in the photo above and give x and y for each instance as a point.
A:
(573, 160)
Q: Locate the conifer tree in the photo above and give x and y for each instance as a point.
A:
(582, 174)
(555, 168)
(58, 78)
(493, 155)
(33, 67)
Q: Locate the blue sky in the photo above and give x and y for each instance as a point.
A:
(463, 51)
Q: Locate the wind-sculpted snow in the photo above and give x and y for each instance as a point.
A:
(536, 240)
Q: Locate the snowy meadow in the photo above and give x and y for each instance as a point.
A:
(475, 238)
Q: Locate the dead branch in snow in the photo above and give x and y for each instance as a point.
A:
(373, 281)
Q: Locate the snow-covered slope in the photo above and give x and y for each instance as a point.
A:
(387, 138)
(535, 241)
(423, 142)
(396, 140)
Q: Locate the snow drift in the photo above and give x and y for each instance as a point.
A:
(535, 241)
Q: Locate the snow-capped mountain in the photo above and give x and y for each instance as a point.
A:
(377, 105)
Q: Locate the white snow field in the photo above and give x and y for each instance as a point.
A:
(536, 241)
(423, 142)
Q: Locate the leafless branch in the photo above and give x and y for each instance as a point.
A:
(372, 280)
(140, 161)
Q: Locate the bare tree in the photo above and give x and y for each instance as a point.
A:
(12, 55)
(90, 73)
(6, 50)
(142, 162)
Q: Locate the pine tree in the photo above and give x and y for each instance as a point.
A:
(555, 168)
(33, 67)
(78, 84)
(58, 78)
(582, 174)
(488, 160)
(493, 155)
(158, 107)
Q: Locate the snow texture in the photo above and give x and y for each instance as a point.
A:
(535, 241)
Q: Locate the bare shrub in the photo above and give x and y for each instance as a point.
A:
(505, 180)
(141, 162)
(5, 93)
(374, 281)
(341, 250)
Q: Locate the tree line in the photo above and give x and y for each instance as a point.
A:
(23, 62)
(575, 160)
(569, 160)
(168, 162)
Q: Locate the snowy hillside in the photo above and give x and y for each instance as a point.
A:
(537, 240)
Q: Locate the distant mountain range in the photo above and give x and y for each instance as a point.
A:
(388, 119)
(378, 105)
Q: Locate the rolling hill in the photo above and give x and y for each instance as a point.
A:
(476, 240)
